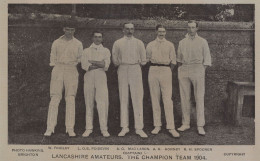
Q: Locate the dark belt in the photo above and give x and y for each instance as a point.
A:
(164, 65)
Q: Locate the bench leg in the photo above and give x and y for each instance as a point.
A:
(240, 100)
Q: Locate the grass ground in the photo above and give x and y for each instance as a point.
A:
(217, 134)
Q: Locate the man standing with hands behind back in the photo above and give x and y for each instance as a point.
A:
(161, 53)
(193, 58)
(65, 54)
(129, 53)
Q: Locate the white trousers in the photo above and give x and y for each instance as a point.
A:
(130, 76)
(63, 76)
(95, 88)
(160, 82)
(192, 74)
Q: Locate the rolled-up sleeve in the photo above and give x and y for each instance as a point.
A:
(148, 52)
(179, 54)
(84, 60)
(115, 52)
(107, 59)
(206, 54)
(53, 55)
(142, 53)
(80, 52)
(172, 54)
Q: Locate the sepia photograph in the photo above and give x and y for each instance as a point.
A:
(131, 74)
(129, 80)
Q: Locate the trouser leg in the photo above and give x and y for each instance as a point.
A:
(70, 112)
(89, 93)
(155, 95)
(123, 95)
(198, 82)
(136, 89)
(102, 99)
(56, 87)
(185, 92)
(166, 88)
(53, 112)
(71, 86)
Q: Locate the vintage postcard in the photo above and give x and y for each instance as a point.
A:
(129, 80)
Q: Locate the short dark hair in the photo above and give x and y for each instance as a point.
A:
(127, 23)
(96, 31)
(194, 21)
(159, 26)
(70, 23)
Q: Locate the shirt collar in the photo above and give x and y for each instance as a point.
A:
(160, 40)
(69, 40)
(188, 36)
(96, 46)
(129, 38)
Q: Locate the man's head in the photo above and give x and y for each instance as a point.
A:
(97, 37)
(192, 27)
(128, 29)
(160, 31)
(69, 29)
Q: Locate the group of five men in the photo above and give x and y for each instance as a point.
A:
(129, 54)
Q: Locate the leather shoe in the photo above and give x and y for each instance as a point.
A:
(123, 131)
(105, 133)
(156, 130)
(201, 131)
(141, 133)
(87, 133)
(70, 132)
(174, 133)
(183, 128)
(48, 132)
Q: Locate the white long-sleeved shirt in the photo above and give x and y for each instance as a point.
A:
(194, 51)
(66, 52)
(128, 51)
(95, 53)
(161, 52)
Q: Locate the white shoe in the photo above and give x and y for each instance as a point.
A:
(124, 131)
(105, 133)
(70, 132)
(183, 128)
(174, 133)
(201, 130)
(156, 130)
(87, 133)
(48, 132)
(141, 133)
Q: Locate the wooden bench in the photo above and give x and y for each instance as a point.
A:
(236, 92)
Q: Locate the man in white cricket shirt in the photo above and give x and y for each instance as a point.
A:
(65, 54)
(161, 54)
(129, 54)
(95, 61)
(193, 58)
